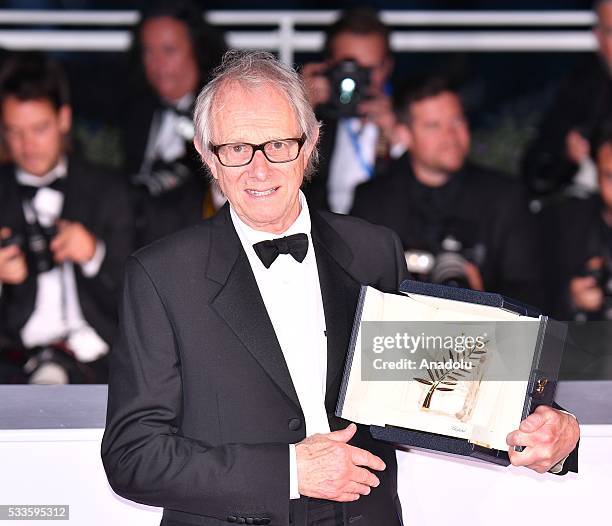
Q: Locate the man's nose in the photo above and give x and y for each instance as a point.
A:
(260, 166)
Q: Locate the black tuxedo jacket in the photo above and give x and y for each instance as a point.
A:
(98, 200)
(201, 404)
(477, 206)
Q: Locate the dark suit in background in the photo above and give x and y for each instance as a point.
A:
(476, 206)
(583, 101)
(98, 200)
(177, 207)
(197, 344)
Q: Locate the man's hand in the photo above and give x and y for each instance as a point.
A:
(13, 266)
(584, 291)
(577, 147)
(73, 243)
(329, 468)
(473, 275)
(549, 435)
(317, 86)
(379, 110)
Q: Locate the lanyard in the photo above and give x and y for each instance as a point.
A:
(368, 168)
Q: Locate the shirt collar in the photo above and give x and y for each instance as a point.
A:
(58, 172)
(249, 236)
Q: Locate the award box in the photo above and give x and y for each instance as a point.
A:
(464, 406)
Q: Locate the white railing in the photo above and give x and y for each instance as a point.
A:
(445, 31)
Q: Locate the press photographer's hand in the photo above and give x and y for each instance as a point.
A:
(73, 243)
(329, 468)
(379, 110)
(13, 266)
(549, 435)
(316, 83)
(585, 292)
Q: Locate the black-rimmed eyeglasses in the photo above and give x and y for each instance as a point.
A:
(241, 153)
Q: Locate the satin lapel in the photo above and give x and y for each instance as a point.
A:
(239, 302)
(339, 292)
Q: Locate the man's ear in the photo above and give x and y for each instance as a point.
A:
(64, 116)
(206, 156)
(403, 135)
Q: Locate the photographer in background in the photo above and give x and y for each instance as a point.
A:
(65, 231)
(350, 94)
(587, 242)
(560, 157)
(174, 51)
(459, 223)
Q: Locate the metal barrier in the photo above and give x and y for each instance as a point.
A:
(412, 31)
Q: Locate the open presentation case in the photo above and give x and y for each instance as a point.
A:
(448, 369)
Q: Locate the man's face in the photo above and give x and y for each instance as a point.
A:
(369, 51)
(168, 57)
(34, 133)
(604, 169)
(265, 195)
(438, 136)
(603, 32)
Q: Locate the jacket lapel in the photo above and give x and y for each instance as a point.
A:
(240, 304)
(339, 292)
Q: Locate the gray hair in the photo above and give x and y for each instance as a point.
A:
(253, 70)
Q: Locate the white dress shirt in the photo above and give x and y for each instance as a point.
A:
(292, 296)
(169, 133)
(57, 312)
(351, 163)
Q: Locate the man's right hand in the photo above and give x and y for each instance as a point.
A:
(585, 293)
(329, 468)
(13, 266)
(317, 86)
(584, 290)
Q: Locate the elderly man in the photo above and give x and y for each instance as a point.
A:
(234, 332)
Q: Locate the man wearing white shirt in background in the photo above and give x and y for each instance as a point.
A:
(233, 336)
(66, 230)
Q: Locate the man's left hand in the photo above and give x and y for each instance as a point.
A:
(73, 243)
(549, 435)
(379, 110)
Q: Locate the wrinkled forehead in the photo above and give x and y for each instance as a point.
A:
(242, 109)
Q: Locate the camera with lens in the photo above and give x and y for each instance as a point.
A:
(37, 246)
(349, 85)
(447, 265)
(13, 239)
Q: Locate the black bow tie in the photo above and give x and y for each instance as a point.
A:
(29, 192)
(268, 251)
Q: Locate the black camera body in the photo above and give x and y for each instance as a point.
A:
(36, 245)
(447, 265)
(349, 85)
(13, 239)
(38, 249)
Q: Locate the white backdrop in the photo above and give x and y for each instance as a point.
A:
(62, 466)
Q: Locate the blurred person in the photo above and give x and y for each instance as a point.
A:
(65, 230)
(560, 158)
(585, 248)
(471, 226)
(176, 50)
(357, 137)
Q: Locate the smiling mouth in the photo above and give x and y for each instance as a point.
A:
(261, 193)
